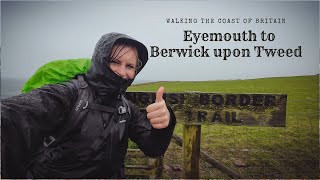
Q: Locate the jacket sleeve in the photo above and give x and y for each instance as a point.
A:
(26, 119)
(153, 142)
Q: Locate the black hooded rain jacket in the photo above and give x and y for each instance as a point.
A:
(27, 119)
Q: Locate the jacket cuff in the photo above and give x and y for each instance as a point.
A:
(173, 120)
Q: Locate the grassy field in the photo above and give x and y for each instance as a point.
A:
(263, 152)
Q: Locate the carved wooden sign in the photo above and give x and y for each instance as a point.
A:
(210, 108)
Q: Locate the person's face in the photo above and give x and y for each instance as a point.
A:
(124, 61)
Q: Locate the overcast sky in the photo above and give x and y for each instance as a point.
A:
(33, 33)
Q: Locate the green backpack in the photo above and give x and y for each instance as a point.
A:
(56, 72)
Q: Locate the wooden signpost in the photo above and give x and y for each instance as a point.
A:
(195, 108)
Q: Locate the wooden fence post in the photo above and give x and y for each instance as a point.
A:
(159, 167)
(191, 151)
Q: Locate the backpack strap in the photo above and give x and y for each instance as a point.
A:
(73, 118)
(122, 125)
(78, 110)
(124, 114)
(101, 108)
(126, 104)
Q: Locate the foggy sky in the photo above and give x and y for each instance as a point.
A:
(33, 33)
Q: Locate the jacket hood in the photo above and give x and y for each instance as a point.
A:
(103, 80)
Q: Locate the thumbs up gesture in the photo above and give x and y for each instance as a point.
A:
(158, 113)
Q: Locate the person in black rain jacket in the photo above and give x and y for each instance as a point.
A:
(96, 147)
